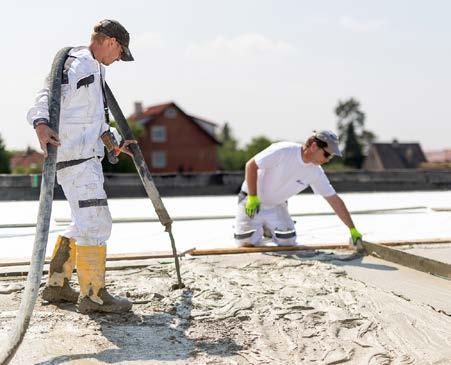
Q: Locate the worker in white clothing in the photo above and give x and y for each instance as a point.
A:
(274, 175)
(84, 125)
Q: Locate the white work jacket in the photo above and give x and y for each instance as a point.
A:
(82, 117)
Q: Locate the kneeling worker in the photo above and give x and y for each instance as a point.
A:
(275, 174)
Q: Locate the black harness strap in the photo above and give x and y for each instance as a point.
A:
(63, 164)
(105, 104)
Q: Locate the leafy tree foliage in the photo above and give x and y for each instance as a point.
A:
(232, 158)
(5, 156)
(352, 155)
(256, 145)
(354, 138)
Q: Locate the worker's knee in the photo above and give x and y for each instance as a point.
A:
(248, 238)
(285, 237)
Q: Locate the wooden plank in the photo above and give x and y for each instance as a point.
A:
(112, 257)
(325, 246)
(406, 259)
(257, 249)
(237, 250)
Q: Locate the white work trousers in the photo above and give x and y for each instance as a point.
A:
(276, 222)
(83, 187)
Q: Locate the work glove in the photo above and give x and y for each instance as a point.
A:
(252, 205)
(356, 238)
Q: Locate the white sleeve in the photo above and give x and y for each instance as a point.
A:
(269, 157)
(322, 185)
(40, 107)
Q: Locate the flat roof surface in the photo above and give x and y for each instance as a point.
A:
(383, 216)
(307, 307)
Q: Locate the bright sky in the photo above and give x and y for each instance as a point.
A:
(274, 68)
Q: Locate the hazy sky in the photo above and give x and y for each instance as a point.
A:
(274, 68)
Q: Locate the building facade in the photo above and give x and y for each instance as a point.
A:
(28, 161)
(173, 141)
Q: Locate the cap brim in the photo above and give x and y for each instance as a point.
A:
(335, 150)
(126, 55)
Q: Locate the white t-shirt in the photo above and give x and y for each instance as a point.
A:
(282, 173)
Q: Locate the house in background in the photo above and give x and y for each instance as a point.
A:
(395, 155)
(438, 159)
(28, 161)
(174, 141)
(441, 156)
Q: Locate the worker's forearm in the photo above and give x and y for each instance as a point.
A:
(340, 209)
(251, 177)
(345, 217)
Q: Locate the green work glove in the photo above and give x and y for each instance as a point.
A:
(355, 236)
(252, 205)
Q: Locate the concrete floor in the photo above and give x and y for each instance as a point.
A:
(416, 218)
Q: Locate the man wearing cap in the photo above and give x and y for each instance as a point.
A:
(275, 174)
(83, 131)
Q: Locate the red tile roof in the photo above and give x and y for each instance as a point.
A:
(26, 158)
(439, 156)
(150, 111)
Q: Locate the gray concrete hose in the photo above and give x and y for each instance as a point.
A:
(19, 328)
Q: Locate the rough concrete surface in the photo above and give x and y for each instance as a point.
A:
(239, 309)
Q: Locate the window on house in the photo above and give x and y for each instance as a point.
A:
(170, 113)
(158, 159)
(158, 133)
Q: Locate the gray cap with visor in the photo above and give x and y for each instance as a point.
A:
(331, 139)
(114, 29)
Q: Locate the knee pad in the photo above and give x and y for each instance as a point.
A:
(285, 237)
(248, 238)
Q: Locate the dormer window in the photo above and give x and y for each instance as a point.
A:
(170, 113)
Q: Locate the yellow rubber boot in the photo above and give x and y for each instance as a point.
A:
(62, 264)
(91, 275)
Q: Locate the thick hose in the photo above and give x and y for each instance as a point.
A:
(145, 176)
(17, 333)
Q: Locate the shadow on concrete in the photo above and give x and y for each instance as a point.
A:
(160, 336)
(338, 259)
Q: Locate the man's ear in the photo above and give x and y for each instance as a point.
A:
(108, 41)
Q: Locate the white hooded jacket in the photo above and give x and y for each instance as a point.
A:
(82, 117)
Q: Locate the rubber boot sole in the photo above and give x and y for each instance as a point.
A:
(58, 294)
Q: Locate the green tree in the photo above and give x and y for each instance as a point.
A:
(256, 145)
(355, 140)
(5, 156)
(230, 157)
(352, 154)
(233, 158)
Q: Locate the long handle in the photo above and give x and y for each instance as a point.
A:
(145, 175)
